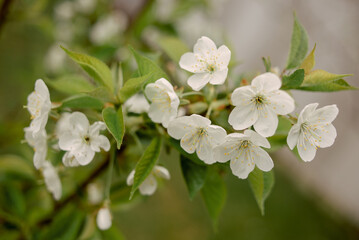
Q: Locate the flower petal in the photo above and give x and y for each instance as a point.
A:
(325, 114)
(96, 127)
(190, 141)
(241, 166)
(218, 77)
(191, 63)
(204, 46)
(307, 112)
(204, 150)
(306, 149)
(161, 172)
(69, 142)
(164, 84)
(149, 186)
(200, 121)
(104, 218)
(224, 56)
(198, 80)
(293, 136)
(216, 134)
(84, 155)
(257, 139)
(130, 178)
(262, 159)
(243, 117)
(178, 127)
(267, 82)
(100, 141)
(80, 122)
(267, 122)
(225, 152)
(281, 102)
(328, 133)
(41, 89)
(52, 180)
(69, 160)
(242, 96)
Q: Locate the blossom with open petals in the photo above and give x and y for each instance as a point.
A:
(81, 140)
(313, 130)
(52, 180)
(209, 64)
(245, 152)
(164, 101)
(39, 143)
(39, 106)
(104, 218)
(259, 104)
(149, 185)
(197, 135)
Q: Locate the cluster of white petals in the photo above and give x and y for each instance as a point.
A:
(244, 153)
(39, 143)
(80, 139)
(164, 101)
(313, 130)
(137, 104)
(209, 64)
(149, 185)
(259, 104)
(197, 135)
(52, 180)
(104, 218)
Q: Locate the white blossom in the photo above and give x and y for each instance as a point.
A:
(245, 152)
(164, 101)
(149, 185)
(85, 6)
(313, 130)
(104, 218)
(95, 193)
(197, 135)
(82, 140)
(39, 106)
(39, 143)
(137, 104)
(52, 180)
(259, 104)
(209, 64)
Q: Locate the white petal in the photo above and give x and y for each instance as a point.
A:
(204, 46)
(293, 136)
(96, 127)
(267, 122)
(243, 117)
(306, 149)
(218, 77)
(204, 150)
(200, 121)
(191, 63)
(266, 82)
(52, 180)
(241, 166)
(149, 186)
(41, 89)
(225, 152)
(281, 102)
(40, 155)
(80, 122)
(190, 141)
(328, 133)
(168, 116)
(307, 112)
(161, 172)
(164, 84)
(152, 91)
(262, 159)
(84, 155)
(325, 114)
(137, 104)
(104, 218)
(69, 160)
(68, 141)
(257, 139)
(242, 96)
(130, 178)
(224, 56)
(178, 127)
(156, 112)
(216, 134)
(100, 142)
(198, 80)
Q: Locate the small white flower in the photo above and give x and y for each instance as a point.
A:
(314, 129)
(259, 104)
(94, 193)
(244, 152)
(39, 143)
(137, 104)
(197, 135)
(209, 64)
(52, 180)
(149, 185)
(82, 140)
(104, 218)
(164, 101)
(39, 106)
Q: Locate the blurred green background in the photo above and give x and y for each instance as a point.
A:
(292, 212)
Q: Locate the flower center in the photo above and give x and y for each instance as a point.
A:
(87, 139)
(244, 144)
(211, 68)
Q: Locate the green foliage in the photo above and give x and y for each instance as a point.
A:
(193, 157)
(298, 46)
(309, 61)
(98, 70)
(71, 84)
(267, 63)
(323, 81)
(13, 167)
(83, 101)
(112, 233)
(115, 124)
(132, 86)
(146, 163)
(261, 184)
(194, 175)
(173, 47)
(103, 94)
(294, 80)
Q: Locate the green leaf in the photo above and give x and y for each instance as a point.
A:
(194, 175)
(83, 101)
(294, 80)
(267, 63)
(115, 124)
(147, 66)
(15, 168)
(146, 163)
(102, 93)
(112, 233)
(173, 47)
(337, 85)
(132, 86)
(13, 198)
(71, 84)
(214, 194)
(299, 45)
(98, 70)
(193, 157)
(309, 61)
(321, 76)
(261, 184)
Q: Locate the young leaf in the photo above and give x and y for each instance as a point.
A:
(94, 67)
(294, 80)
(146, 163)
(132, 86)
(102, 93)
(173, 47)
(336, 85)
(193, 157)
(320, 76)
(267, 63)
(71, 84)
(83, 101)
(309, 62)
(194, 176)
(261, 184)
(147, 66)
(115, 124)
(214, 194)
(298, 46)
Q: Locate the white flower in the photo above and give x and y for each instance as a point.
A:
(209, 64)
(85, 6)
(94, 193)
(39, 106)
(149, 185)
(197, 135)
(137, 104)
(82, 140)
(65, 10)
(244, 152)
(259, 104)
(104, 218)
(314, 129)
(39, 143)
(164, 101)
(52, 180)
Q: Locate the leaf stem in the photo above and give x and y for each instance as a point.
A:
(110, 172)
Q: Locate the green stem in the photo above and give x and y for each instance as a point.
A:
(110, 172)
(191, 94)
(209, 111)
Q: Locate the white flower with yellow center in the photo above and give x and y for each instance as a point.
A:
(197, 135)
(164, 101)
(39, 143)
(104, 218)
(82, 140)
(52, 180)
(39, 106)
(259, 104)
(245, 152)
(313, 130)
(209, 64)
(149, 185)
